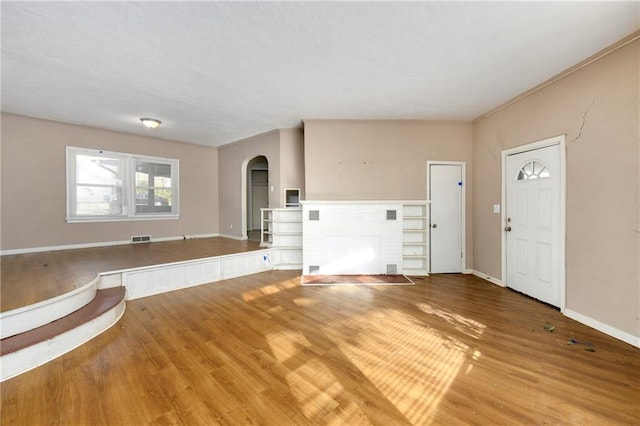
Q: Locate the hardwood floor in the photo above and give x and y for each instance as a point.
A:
(34, 277)
(262, 349)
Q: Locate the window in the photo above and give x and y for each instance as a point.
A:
(533, 170)
(106, 186)
(154, 190)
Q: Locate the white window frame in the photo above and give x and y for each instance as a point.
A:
(129, 187)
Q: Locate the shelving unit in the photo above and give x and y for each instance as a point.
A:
(415, 237)
(292, 197)
(266, 227)
(282, 229)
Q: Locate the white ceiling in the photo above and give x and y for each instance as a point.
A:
(216, 72)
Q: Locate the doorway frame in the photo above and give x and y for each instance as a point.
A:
(463, 165)
(244, 186)
(555, 140)
(243, 199)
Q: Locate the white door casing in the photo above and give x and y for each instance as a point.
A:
(533, 220)
(445, 190)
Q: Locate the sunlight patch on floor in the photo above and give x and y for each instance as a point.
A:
(392, 353)
(314, 402)
(415, 367)
(312, 383)
(268, 290)
(305, 301)
(463, 324)
(323, 377)
(287, 342)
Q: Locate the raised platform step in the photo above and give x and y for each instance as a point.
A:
(36, 334)
(104, 300)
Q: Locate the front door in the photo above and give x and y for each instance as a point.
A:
(532, 224)
(446, 195)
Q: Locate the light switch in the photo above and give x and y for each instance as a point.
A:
(496, 208)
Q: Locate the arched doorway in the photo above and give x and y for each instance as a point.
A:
(257, 194)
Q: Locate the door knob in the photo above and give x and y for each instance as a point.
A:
(435, 225)
(508, 227)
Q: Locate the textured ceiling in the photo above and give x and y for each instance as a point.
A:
(216, 72)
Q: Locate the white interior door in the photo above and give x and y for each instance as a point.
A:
(532, 224)
(446, 234)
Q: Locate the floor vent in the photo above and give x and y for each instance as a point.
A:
(141, 239)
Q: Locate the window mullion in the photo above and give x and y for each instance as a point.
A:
(130, 183)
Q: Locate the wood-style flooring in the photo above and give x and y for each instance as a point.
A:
(261, 349)
(33, 277)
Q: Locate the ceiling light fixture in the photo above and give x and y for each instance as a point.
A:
(151, 123)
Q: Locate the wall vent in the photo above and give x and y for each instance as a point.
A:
(392, 269)
(141, 238)
(314, 269)
(314, 214)
(391, 214)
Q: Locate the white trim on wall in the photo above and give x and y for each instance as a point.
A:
(103, 244)
(233, 237)
(604, 328)
(243, 198)
(489, 278)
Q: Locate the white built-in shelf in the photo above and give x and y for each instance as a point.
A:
(282, 230)
(415, 238)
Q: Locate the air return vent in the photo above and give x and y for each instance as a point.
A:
(141, 238)
(392, 269)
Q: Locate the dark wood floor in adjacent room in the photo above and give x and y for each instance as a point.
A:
(262, 349)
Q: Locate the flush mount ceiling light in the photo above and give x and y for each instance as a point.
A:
(151, 123)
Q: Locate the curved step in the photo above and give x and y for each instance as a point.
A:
(21, 320)
(35, 347)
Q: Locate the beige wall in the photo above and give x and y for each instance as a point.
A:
(292, 160)
(283, 149)
(383, 160)
(598, 109)
(232, 160)
(34, 192)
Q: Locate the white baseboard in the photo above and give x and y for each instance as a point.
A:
(488, 277)
(233, 237)
(605, 328)
(99, 244)
(583, 319)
